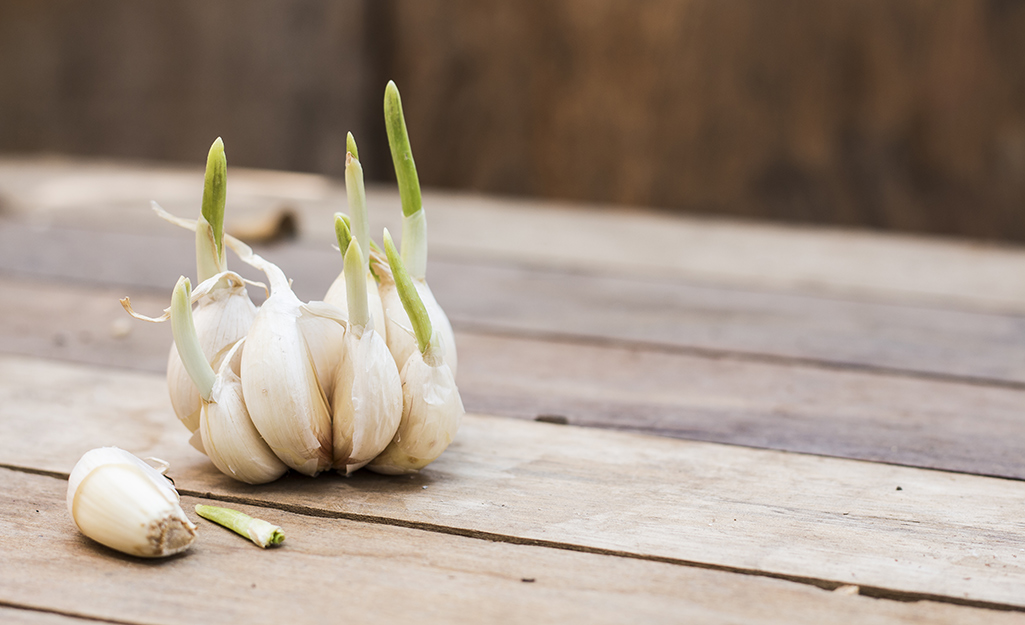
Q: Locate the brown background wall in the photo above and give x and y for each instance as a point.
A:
(903, 114)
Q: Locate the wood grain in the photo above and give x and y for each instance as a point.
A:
(848, 263)
(851, 414)
(888, 529)
(539, 302)
(388, 573)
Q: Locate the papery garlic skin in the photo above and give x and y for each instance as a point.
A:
(222, 316)
(123, 503)
(280, 382)
(431, 413)
(367, 402)
(230, 439)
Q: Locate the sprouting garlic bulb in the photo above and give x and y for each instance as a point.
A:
(123, 503)
(280, 379)
(227, 432)
(431, 406)
(367, 399)
(399, 330)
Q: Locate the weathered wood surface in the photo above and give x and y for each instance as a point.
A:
(542, 302)
(389, 574)
(891, 530)
(103, 195)
(779, 405)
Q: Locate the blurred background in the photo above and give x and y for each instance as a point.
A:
(901, 115)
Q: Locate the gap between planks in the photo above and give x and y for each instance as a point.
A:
(824, 584)
(792, 515)
(898, 419)
(447, 578)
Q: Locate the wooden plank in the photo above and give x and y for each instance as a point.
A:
(542, 302)
(851, 414)
(28, 616)
(388, 573)
(891, 530)
(743, 254)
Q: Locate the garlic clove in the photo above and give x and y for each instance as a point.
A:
(123, 503)
(431, 413)
(280, 383)
(229, 437)
(367, 402)
(431, 406)
(222, 316)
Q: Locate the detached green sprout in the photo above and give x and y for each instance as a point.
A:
(262, 533)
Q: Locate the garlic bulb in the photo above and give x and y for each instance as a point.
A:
(431, 406)
(123, 503)
(367, 399)
(290, 347)
(336, 294)
(399, 330)
(228, 435)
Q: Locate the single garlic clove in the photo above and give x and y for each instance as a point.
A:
(222, 316)
(431, 413)
(123, 503)
(367, 402)
(228, 434)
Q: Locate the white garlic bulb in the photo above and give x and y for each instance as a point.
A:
(123, 503)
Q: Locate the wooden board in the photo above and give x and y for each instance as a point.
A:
(540, 302)
(788, 406)
(387, 573)
(893, 531)
(850, 263)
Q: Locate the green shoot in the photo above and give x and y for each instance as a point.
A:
(342, 232)
(401, 153)
(350, 145)
(186, 340)
(410, 298)
(356, 286)
(262, 533)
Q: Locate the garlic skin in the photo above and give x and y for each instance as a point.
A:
(123, 503)
(229, 437)
(222, 316)
(280, 379)
(367, 401)
(431, 413)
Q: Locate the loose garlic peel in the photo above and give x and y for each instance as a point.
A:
(123, 503)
